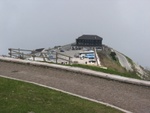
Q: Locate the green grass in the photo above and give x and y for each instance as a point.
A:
(20, 97)
(110, 71)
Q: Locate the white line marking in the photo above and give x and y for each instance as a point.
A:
(82, 97)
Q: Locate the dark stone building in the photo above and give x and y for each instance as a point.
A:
(89, 41)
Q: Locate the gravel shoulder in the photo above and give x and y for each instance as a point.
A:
(127, 96)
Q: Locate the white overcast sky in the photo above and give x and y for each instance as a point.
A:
(123, 24)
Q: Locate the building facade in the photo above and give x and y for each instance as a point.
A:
(89, 41)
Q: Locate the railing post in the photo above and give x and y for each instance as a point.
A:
(33, 57)
(19, 53)
(10, 53)
(69, 60)
(43, 57)
(56, 57)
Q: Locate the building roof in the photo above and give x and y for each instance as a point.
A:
(39, 50)
(90, 37)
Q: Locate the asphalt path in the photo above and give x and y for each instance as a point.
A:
(127, 96)
(123, 61)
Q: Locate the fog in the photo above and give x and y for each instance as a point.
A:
(123, 24)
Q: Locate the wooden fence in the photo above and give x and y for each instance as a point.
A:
(58, 56)
(23, 54)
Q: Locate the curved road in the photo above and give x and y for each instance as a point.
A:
(123, 61)
(127, 96)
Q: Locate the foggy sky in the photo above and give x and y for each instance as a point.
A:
(123, 24)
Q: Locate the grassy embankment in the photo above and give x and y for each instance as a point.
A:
(110, 71)
(113, 68)
(112, 64)
(20, 97)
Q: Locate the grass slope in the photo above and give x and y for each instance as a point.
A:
(110, 71)
(20, 97)
(113, 64)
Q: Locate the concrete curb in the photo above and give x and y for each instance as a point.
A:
(81, 70)
(82, 97)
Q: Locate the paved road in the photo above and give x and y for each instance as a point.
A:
(123, 61)
(127, 96)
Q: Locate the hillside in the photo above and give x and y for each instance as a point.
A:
(117, 61)
(106, 58)
(110, 59)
